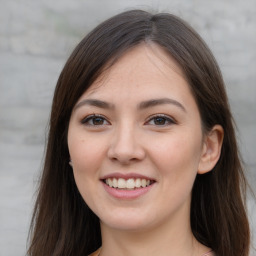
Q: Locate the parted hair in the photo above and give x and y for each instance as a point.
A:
(62, 223)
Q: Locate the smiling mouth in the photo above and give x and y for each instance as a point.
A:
(128, 184)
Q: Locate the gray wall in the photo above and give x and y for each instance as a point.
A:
(36, 37)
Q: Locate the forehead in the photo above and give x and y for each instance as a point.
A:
(144, 69)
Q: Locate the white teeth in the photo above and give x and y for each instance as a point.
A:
(127, 184)
(121, 183)
(115, 183)
(138, 183)
(130, 183)
(143, 183)
(110, 183)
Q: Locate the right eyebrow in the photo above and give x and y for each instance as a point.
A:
(161, 101)
(94, 102)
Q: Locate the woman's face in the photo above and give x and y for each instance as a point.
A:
(135, 141)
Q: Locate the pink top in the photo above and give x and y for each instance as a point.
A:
(207, 253)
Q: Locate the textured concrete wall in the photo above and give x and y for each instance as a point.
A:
(36, 37)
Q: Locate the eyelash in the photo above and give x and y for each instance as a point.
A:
(92, 118)
(162, 117)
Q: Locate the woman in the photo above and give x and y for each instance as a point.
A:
(141, 157)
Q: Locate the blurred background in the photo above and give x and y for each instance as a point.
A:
(36, 38)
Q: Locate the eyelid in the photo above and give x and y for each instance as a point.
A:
(91, 116)
(170, 119)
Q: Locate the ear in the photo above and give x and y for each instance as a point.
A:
(211, 149)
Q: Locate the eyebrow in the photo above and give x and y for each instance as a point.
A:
(94, 102)
(142, 105)
(156, 102)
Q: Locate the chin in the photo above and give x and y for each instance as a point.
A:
(126, 226)
(127, 222)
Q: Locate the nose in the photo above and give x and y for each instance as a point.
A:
(125, 146)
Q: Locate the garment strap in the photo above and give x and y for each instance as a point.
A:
(207, 253)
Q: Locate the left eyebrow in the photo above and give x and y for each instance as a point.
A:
(95, 103)
(162, 101)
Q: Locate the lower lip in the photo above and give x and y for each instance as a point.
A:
(126, 194)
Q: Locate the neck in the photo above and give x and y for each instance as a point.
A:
(167, 239)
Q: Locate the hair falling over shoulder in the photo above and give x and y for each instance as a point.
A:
(62, 223)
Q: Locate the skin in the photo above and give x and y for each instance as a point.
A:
(164, 142)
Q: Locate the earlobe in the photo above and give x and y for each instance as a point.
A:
(211, 149)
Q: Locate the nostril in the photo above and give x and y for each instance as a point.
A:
(126, 153)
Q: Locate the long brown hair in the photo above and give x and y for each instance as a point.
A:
(62, 223)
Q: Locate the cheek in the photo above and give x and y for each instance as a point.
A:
(177, 162)
(86, 153)
(87, 156)
(177, 156)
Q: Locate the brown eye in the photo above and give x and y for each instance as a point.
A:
(97, 121)
(160, 120)
(94, 120)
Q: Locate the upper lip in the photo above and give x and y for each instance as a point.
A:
(126, 176)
